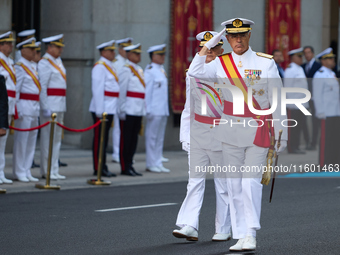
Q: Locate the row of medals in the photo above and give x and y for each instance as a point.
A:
(252, 75)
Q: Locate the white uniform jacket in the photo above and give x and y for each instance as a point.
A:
(10, 85)
(105, 88)
(184, 131)
(26, 87)
(295, 78)
(326, 93)
(53, 84)
(132, 91)
(156, 93)
(119, 62)
(238, 131)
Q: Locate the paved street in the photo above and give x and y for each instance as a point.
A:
(303, 218)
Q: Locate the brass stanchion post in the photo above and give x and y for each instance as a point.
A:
(2, 191)
(98, 181)
(49, 162)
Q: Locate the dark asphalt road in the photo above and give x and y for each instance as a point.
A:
(304, 218)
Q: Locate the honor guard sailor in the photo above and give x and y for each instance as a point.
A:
(27, 94)
(243, 145)
(23, 36)
(52, 76)
(7, 70)
(131, 107)
(157, 108)
(197, 137)
(105, 93)
(118, 63)
(327, 108)
(295, 78)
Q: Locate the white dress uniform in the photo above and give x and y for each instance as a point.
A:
(326, 97)
(52, 76)
(27, 95)
(131, 109)
(105, 93)
(239, 150)
(198, 131)
(8, 71)
(157, 110)
(118, 64)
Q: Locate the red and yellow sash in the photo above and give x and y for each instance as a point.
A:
(29, 72)
(56, 67)
(108, 68)
(137, 74)
(262, 138)
(9, 70)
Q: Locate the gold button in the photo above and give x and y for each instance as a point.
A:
(211, 126)
(238, 120)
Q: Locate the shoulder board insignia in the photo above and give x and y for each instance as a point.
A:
(225, 54)
(114, 60)
(18, 64)
(127, 65)
(260, 54)
(186, 70)
(150, 67)
(321, 71)
(100, 62)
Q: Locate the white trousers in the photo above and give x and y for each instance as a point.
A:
(3, 140)
(116, 137)
(191, 206)
(44, 144)
(24, 146)
(154, 139)
(244, 188)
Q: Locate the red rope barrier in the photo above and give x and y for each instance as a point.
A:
(30, 129)
(79, 130)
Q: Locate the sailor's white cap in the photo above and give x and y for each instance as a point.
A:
(136, 48)
(237, 25)
(29, 43)
(7, 37)
(206, 36)
(110, 45)
(157, 49)
(298, 51)
(125, 42)
(327, 53)
(56, 40)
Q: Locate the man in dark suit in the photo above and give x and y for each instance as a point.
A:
(310, 68)
(3, 107)
(278, 58)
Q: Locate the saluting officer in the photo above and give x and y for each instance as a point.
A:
(157, 108)
(295, 78)
(23, 36)
(197, 137)
(243, 145)
(27, 93)
(118, 64)
(105, 93)
(7, 70)
(52, 76)
(327, 108)
(131, 107)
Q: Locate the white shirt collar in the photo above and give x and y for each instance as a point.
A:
(3, 56)
(105, 60)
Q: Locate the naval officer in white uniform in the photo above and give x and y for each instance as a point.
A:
(197, 137)
(52, 76)
(118, 63)
(27, 94)
(326, 99)
(157, 108)
(8, 72)
(244, 147)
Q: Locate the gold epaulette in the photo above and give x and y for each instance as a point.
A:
(225, 54)
(260, 54)
(320, 70)
(150, 67)
(127, 65)
(114, 60)
(18, 63)
(186, 70)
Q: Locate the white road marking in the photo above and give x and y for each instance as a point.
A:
(134, 207)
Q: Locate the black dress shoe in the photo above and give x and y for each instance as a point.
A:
(128, 172)
(135, 172)
(311, 148)
(105, 173)
(61, 164)
(297, 151)
(34, 165)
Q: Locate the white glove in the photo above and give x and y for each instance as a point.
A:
(186, 146)
(46, 113)
(215, 40)
(282, 146)
(321, 116)
(122, 116)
